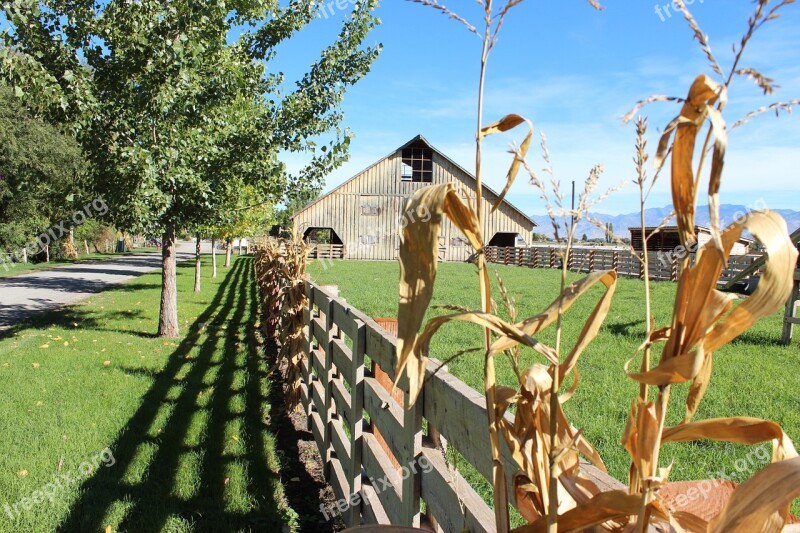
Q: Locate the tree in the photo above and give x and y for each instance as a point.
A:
(609, 233)
(42, 177)
(174, 117)
(585, 238)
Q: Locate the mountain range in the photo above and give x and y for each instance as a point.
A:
(653, 217)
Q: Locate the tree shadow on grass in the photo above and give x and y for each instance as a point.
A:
(196, 454)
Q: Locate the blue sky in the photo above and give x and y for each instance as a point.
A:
(574, 72)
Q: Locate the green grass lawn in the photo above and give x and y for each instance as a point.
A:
(753, 376)
(138, 433)
(15, 269)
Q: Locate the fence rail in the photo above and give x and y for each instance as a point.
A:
(327, 251)
(663, 265)
(340, 393)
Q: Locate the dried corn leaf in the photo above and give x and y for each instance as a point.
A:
(508, 122)
(533, 325)
(698, 387)
(703, 92)
(701, 323)
(717, 163)
(419, 245)
(762, 502)
(606, 506)
(519, 157)
(740, 429)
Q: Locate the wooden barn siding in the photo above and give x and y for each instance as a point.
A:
(381, 186)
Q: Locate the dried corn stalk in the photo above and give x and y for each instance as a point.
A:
(281, 271)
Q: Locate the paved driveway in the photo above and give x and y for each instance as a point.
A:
(29, 294)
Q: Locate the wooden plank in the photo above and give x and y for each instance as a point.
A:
(372, 510)
(385, 413)
(318, 363)
(320, 298)
(341, 445)
(450, 499)
(355, 415)
(412, 431)
(343, 317)
(319, 331)
(318, 431)
(341, 401)
(325, 378)
(383, 478)
(342, 358)
(337, 480)
(318, 398)
(381, 348)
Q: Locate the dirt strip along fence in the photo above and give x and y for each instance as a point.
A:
(664, 266)
(343, 400)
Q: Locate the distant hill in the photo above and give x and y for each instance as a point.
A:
(653, 217)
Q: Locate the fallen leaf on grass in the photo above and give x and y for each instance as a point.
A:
(35, 365)
(44, 346)
(235, 438)
(106, 363)
(39, 403)
(22, 473)
(66, 343)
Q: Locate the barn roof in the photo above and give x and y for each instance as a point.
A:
(441, 154)
(674, 229)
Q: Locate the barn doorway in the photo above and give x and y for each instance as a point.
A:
(505, 240)
(325, 243)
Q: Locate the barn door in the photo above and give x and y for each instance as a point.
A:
(377, 226)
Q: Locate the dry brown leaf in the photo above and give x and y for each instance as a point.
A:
(762, 502)
(704, 91)
(701, 322)
(717, 163)
(508, 122)
(740, 429)
(419, 245)
(35, 365)
(603, 507)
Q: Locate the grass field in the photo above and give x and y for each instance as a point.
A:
(122, 429)
(753, 376)
(15, 269)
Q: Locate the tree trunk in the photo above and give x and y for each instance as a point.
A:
(47, 253)
(214, 258)
(86, 246)
(168, 318)
(240, 247)
(197, 266)
(228, 251)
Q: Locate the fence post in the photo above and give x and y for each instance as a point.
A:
(674, 274)
(535, 258)
(327, 380)
(552, 257)
(356, 376)
(309, 316)
(412, 483)
(591, 261)
(615, 261)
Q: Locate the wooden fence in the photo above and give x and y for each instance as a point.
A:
(340, 395)
(327, 251)
(663, 265)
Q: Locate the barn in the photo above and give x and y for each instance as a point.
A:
(361, 218)
(668, 240)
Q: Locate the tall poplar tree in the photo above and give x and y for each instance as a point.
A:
(172, 113)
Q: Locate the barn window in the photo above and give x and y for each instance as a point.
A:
(368, 239)
(458, 241)
(417, 164)
(370, 210)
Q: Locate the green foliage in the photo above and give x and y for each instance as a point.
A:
(177, 120)
(42, 174)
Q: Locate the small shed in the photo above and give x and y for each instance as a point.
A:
(364, 215)
(668, 240)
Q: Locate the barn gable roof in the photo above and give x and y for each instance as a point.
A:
(418, 138)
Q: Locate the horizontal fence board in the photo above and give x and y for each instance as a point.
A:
(455, 409)
(379, 469)
(305, 370)
(318, 363)
(385, 413)
(320, 299)
(381, 349)
(451, 500)
(342, 358)
(338, 481)
(319, 331)
(372, 510)
(341, 444)
(341, 399)
(343, 317)
(318, 431)
(318, 397)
